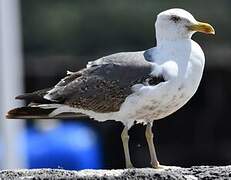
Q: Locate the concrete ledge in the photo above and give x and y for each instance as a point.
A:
(193, 173)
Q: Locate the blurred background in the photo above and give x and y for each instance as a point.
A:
(40, 40)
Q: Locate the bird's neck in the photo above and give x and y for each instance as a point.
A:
(177, 43)
(185, 54)
(178, 51)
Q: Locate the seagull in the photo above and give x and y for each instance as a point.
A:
(130, 87)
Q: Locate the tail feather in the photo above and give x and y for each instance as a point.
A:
(40, 113)
(36, 97)
(21, 97)
(40, 108)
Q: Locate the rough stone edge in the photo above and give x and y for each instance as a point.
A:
(196, 172)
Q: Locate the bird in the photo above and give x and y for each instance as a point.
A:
(130, 87)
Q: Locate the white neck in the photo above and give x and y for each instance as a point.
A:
(178, 51)
(177, 47)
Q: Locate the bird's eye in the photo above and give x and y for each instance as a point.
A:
(175, 18)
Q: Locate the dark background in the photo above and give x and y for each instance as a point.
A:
(63, 35)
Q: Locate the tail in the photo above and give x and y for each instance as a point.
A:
(41, 113)
(35, 97)
(40, 108)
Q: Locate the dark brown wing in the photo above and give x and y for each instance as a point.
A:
(104, 86)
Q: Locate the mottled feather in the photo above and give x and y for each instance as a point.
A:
(105, 84)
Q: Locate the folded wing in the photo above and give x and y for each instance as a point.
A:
(101, 87)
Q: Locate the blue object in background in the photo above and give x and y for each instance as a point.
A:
(68, 146)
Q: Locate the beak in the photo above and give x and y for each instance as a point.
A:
(202, 27)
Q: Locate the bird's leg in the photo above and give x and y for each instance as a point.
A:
(125, 140)
(149, 137)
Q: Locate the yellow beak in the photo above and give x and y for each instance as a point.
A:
(202, 27)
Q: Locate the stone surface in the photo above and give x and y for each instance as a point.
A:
(193, 173)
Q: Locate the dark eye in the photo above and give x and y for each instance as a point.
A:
(175, 18)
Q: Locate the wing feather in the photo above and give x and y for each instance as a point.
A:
(104, 85)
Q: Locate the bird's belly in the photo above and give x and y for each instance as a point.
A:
(155, 103)
(158, 108)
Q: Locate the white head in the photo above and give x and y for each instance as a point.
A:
(174, 24)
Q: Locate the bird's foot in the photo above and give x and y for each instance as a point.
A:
(161, 167)
(156, 165)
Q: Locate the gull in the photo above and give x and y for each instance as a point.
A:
(130, 87)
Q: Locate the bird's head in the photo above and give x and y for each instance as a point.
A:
(177, 23)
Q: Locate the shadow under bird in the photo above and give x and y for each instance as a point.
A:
(130, 87)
